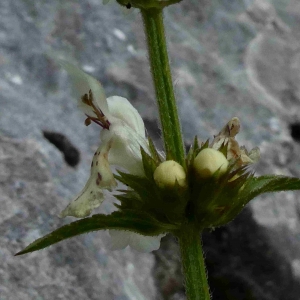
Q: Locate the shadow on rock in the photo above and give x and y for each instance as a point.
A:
(241, 264)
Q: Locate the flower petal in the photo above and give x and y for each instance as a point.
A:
(227, 137)
(122, 109)
(121, 239)
(228, 132)
(143, 243)
(254, 154)
(82, 84)
(92, 196)
(125, 149)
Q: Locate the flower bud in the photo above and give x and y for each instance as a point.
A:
(168, 173)
(208, 161)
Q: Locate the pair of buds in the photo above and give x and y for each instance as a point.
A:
(207, 162)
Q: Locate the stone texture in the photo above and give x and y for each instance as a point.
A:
(80, 268)
(229, 58)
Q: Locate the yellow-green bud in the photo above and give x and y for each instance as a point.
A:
(167, 173)
(208, 161)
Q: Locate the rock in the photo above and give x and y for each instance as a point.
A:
(241, 264)
(229, 59)
(80, 268)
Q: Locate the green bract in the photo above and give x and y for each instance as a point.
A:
(148, 207)
(209, 201)
(167, 205)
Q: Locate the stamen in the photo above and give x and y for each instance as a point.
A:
(101, 119)
(87, 121)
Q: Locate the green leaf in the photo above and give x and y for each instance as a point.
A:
(132, 181)
(137, 183)
(192, 152)
(129, 200)
(154, 152)
(204, 145)
(223, 148)
(149, 164)
(268, 183)
(129, 220)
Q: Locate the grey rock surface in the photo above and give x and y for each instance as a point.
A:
(229, 58)
(80, 268)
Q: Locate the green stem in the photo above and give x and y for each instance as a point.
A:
(193, 264)
(162, 78)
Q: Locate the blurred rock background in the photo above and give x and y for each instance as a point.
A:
(229, 58)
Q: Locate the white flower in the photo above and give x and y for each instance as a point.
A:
(121, 239)
(121, 138)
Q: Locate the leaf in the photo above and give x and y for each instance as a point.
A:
(223, 148)
(204, 145)
(130, 220)
(268, 183)
(129, 200)
(191, 153)
(154, 153)
(149, 164)
(137, 183)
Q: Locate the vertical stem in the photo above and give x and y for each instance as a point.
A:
(193, 264)
(162, 78)
(189, 238)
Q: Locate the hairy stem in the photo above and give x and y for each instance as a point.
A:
(162, 78)
(193, 264)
